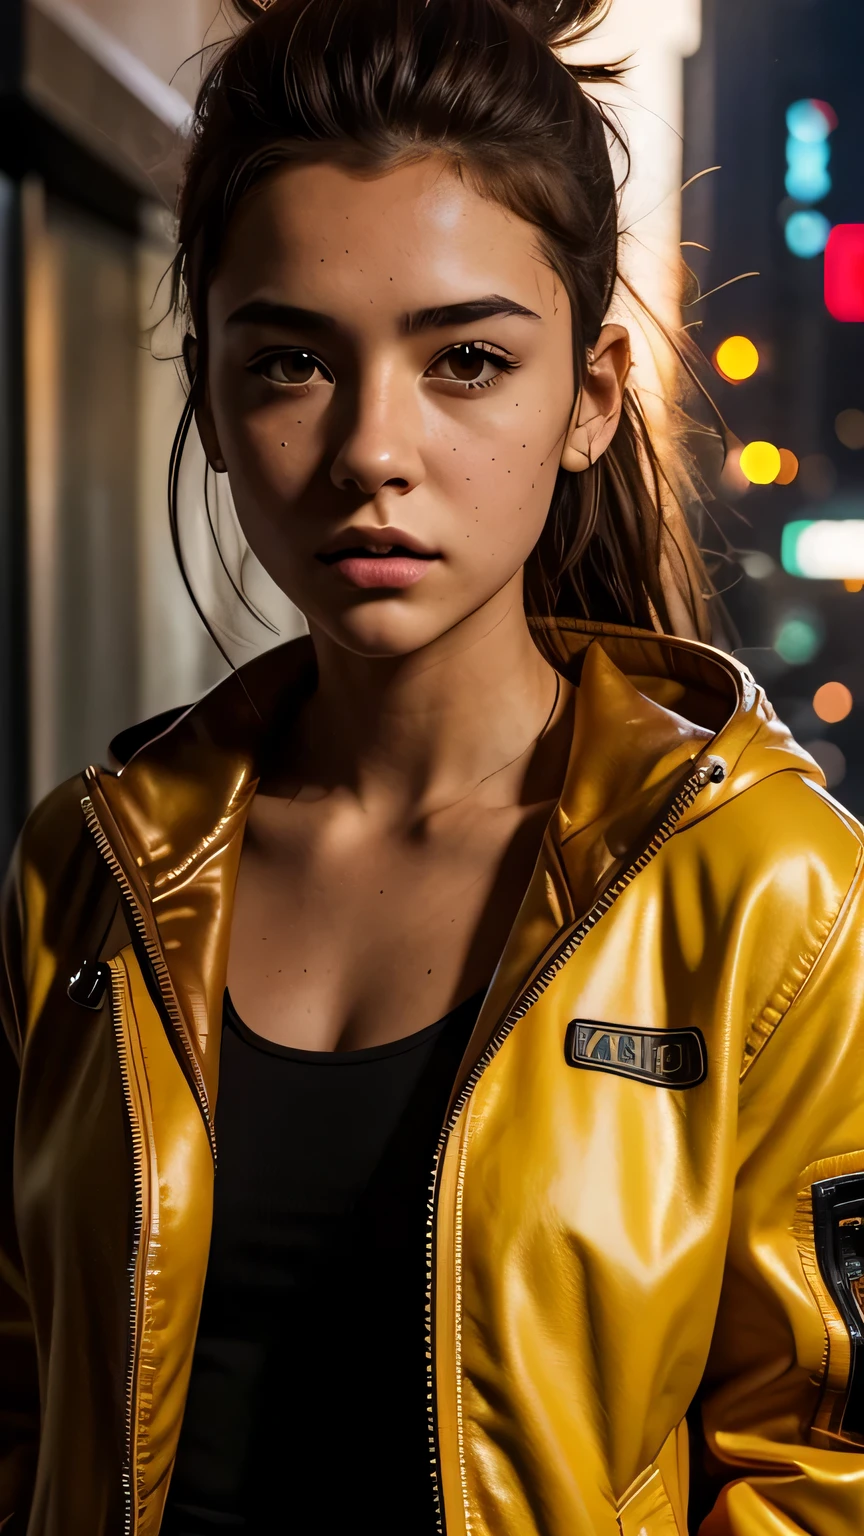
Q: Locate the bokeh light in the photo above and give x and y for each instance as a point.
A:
(808, 179)
(761, 463)
(736, 359)
(830, 759)
(788, 467)
(824, 549)
(757, 564)
(833, 702)
(810, 121)
(849, 427)
(798, 639)
(844, 272)
(807, 232)
(854, 583)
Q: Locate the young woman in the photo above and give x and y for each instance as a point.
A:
(495, 945)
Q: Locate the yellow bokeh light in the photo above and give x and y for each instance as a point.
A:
(852, 584)
(761, 463)
(736, 358)
(832, 702)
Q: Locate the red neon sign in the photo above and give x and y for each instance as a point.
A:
(844, 272)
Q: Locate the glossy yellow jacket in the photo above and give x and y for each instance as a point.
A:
(650, 1189)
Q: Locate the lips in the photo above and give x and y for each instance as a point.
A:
(379, 558)
(382, 565)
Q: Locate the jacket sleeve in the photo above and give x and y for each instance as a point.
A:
(783, 1398)
(19, 1389)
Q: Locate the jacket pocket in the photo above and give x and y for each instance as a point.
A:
(646, 1509)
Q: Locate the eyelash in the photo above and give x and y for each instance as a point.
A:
(505, 361)
(259, 365)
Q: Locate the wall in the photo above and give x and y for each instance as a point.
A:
(161, 34)
(655, 36)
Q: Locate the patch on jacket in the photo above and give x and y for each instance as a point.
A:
(676, 1058)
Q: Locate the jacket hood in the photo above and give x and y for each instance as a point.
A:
(650, 710)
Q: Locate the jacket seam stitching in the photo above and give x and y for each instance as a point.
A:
(834, 926)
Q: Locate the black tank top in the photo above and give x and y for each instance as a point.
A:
(307, 1404)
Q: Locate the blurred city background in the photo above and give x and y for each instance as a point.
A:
(746, 121)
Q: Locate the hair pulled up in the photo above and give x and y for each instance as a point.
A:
(373, 83)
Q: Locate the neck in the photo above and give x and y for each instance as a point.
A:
(424, 728)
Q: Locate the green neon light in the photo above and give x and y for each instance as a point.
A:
(789, 545)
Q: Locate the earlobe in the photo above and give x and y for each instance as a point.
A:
(576, 457)
(587, 440)
(598, 409)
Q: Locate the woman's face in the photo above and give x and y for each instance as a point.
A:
(390, 385)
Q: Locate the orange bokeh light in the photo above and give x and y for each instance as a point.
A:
(788, 467)
(832, 702)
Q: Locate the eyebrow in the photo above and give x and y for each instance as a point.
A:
(437, 317)
(443, 315)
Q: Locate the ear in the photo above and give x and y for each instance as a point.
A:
(598, 409)
(203, 414)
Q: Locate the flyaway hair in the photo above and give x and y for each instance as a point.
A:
(371, 84)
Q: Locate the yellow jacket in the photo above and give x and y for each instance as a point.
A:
(649, 1193)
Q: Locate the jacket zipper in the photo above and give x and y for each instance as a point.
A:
(157, 963)
(137, 1137)
(713, 770)
(175, 1020)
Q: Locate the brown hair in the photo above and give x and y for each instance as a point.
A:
(372, 83)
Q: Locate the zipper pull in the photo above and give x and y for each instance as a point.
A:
(712, 771)
(89, 986)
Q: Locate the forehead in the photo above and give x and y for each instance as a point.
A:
(331, 239)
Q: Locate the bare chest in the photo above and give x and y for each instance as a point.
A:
(343, 938)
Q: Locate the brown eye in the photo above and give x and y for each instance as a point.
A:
(295, 367)
(466, 363)
(472, 364)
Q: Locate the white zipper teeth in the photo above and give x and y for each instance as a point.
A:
(137, 1229)
(159, 967)
(682, 802)
(166, 993)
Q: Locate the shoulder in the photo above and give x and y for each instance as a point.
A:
(785, 819)
(52, 831)
(57, 878)
(781, 849)
(56, 828)
(778, 869)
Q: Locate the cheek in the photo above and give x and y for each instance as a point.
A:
(272, 454)
(499, 473)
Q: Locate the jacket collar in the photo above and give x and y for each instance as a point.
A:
(648, 707)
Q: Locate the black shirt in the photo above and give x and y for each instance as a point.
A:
(307, 1404)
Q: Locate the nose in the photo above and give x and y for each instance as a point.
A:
(381, 445)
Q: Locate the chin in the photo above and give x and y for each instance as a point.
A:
(384, 627)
